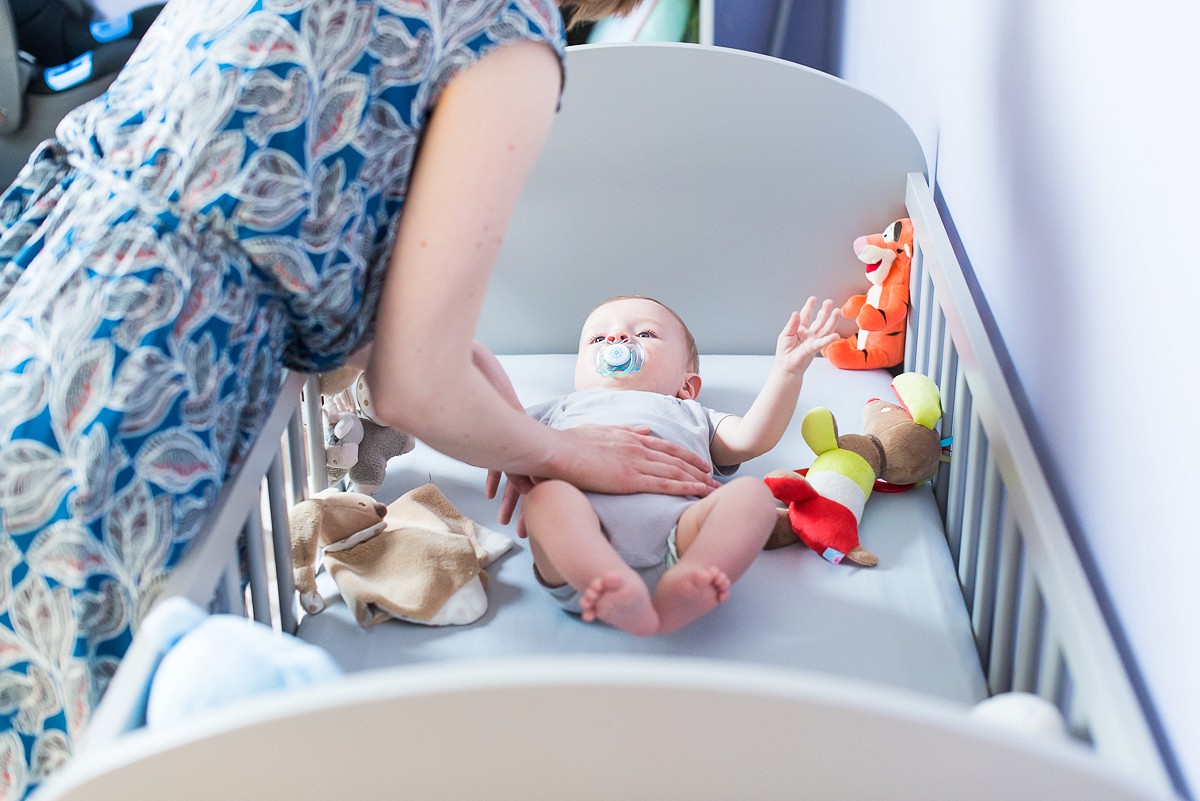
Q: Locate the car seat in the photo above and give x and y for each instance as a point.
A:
(54, 57)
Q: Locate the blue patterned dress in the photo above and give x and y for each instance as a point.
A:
(224, 211)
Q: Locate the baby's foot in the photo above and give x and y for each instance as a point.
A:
(686, 593)
(621, 603)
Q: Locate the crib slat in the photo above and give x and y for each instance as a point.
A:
(956, 487)
(934, 369)
(916, 284)
(1078, 715)
(937, 341)
(948, 368)
(984, 587)
(947, 384)
(230, 596)
(925, 341)
(977, 474)
(1031, 608)
(315, 436)
(297, 464)
(1000, 658)
(1051, 669)
(256, 567)
(281, 547)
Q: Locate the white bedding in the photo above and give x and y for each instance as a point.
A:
(902, 623)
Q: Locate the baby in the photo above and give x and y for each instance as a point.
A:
(647, 563)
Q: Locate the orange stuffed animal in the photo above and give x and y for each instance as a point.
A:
(881, 313)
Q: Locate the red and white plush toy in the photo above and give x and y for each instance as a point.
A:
(881, 313)
(899, 447)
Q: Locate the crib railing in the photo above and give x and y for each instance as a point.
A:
(226, 566)
(240, 561)
(1038, 626)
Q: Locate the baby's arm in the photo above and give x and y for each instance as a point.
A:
(738, 439)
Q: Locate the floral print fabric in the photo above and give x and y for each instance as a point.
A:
(224, 211)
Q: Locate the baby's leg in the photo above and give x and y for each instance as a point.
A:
(717, 538)
(569, 548)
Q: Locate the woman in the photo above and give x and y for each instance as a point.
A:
(262, 183)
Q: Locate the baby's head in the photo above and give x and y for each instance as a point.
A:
(671, 361)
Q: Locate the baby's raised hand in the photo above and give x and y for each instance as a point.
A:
(804, 336)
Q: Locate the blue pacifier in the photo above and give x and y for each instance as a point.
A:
(620, 358)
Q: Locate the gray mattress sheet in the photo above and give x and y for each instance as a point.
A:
(902, 624)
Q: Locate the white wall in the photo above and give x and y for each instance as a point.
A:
(1065, 138)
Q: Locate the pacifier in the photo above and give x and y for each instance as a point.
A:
(620, 358)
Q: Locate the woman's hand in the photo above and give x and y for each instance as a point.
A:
(513, 490)
(627, 459)
(617, 460)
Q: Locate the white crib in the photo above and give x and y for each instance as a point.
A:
(731, 185)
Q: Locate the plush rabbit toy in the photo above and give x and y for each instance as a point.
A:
(898, 448)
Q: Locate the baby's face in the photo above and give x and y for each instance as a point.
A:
(661, 336)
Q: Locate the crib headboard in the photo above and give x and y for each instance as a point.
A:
(726, 184)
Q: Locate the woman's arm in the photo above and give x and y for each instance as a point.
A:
(478, 148)
(517, 485)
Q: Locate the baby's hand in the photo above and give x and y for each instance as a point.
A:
(803, 337)
(341, 403)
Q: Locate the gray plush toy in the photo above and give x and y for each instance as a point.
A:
(357, 444)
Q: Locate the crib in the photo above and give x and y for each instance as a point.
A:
(729, 185)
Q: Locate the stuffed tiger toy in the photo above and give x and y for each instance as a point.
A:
(881, 313)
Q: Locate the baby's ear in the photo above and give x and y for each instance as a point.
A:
(691, 387)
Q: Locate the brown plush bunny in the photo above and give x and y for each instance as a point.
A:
(418, 559)
(899, 447)
(900, 450)
(321, 521)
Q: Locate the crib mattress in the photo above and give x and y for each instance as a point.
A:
(902, 624)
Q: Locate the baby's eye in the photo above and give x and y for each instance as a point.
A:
(595, 339)
(647, 334)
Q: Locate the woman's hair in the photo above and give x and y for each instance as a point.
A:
(693, 362)
(576, 11)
